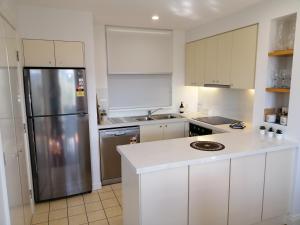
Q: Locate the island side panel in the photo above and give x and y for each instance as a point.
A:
(164, 197)
(130, 194)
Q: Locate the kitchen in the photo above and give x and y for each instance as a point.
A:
(174, 75)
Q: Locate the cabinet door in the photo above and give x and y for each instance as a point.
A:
(191, 64)
(246, 190)
(278, 183)
(164, 197)
(224, 58)
(208, 193)
(174, 130)
(39, 53)
(152, 132)
(244, 57)
(211, 51)
(69, 53)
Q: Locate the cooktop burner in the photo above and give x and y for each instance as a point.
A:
(207, 146)
(216, 120)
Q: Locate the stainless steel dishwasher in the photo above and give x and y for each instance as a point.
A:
(109, 157)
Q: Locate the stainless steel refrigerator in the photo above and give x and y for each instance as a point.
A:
(57, 116)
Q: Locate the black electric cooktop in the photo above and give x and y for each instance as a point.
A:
(216, 120)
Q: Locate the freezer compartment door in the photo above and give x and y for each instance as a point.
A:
(55, 91)
(60, 156)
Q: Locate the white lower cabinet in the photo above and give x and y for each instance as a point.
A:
(155, 132)
(164, 197)
(208, 193)
(278, 183)
(246, 190)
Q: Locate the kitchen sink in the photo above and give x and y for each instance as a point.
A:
(143, 118)
(165, 116)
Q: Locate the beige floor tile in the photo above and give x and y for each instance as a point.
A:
(99, 222)
(58, 214)
(91, 197)
(105, 189)
(39, 218)
(58, 204)
(106, 195)
(118, 220)
(75, 201)
(42, 207)
(78, 219)
(110, 203)
(118, 192)
(114, 211)
(45, 223)
(93, 206)
(120, 200)
(63, 221)
(96, 215)
(116, 186)
(76, 210)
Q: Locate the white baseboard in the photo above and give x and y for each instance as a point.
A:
(294, 219)
(97, 186)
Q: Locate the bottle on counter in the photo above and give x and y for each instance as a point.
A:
(181, 108)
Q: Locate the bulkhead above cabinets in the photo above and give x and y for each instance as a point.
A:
(49, 53)
(225, 60)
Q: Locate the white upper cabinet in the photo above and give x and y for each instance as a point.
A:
(195, 54)
(69, 53)
(246, 190)
(39, 53)
(224, 58)
(43, 53)
(139, 51)
(278, 183)
(244, 45)
(211, 54)
(228, 59)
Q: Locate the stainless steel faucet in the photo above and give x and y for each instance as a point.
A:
(150, 112)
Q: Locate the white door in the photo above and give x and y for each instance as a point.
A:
(9, 126)
(278, 183)
(151, 132)
(211, 51)
(164, 197)
(224, 58)
(246, 190)
(208, 193)
(38, 53)
(174, 130)
(69, 53)
(244, 57)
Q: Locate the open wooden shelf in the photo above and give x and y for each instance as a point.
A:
(278, 90)
(286, 52)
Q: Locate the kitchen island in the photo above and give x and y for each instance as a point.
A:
(170, 183)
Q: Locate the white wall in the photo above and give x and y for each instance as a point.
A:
(57, 24)
(8, 10)
(263, 13)
(231, 103)
(180, 93)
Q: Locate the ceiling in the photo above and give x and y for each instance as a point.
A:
(181, 14)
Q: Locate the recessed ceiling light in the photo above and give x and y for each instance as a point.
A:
(155, 17)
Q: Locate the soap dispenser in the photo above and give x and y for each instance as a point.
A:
(181, 108)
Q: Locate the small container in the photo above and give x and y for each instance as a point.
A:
(271, 118)
(279, 134)
(283, 120)
(262, 130)
(271, 132)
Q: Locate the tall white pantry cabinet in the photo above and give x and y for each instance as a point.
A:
(246, 190)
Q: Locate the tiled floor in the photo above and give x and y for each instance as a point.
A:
(102, 207)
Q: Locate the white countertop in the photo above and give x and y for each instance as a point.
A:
(159, 155)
